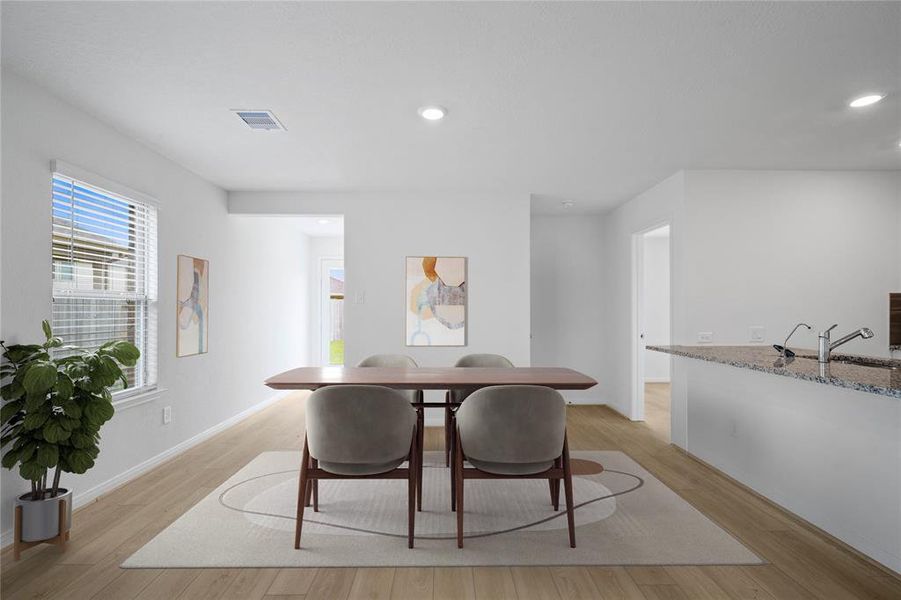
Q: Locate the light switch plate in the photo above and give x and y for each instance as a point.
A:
(757, 333)
(167, 415)
(705, 337)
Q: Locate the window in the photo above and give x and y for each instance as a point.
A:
(104, 273)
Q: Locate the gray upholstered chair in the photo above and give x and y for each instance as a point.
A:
(455, 397)
(357, 432)
(402, 361)
(513, 431)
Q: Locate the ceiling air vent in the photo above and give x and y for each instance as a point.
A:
(260, 119)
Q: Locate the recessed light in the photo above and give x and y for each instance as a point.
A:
(865, 100)
(432, 113)
(324, 221)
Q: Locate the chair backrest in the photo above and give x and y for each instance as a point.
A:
(398, 361)
(478, 360)
(388, 360)
(484, 360)
(359, 424)
(513, 424)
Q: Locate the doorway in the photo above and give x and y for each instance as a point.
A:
(651, 391)
(331, 294)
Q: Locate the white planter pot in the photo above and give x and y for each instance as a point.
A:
(40, 518)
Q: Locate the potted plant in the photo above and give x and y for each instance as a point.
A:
(53, 407)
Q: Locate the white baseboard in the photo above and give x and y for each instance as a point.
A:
(90, 495)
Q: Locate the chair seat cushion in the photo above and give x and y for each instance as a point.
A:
(357, 469)
(500, 468)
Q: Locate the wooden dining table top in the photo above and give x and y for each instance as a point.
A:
(430, 378)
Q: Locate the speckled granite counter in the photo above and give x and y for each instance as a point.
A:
(885, 380)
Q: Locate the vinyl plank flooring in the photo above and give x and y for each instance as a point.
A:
(413, 583)
(454, 584)
(493, 583)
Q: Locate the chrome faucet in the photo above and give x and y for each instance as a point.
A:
(785, 351)
(825, 346)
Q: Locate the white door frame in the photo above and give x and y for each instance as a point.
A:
(636, 412)
(325, 263)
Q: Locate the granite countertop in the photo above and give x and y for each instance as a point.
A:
(884, 380)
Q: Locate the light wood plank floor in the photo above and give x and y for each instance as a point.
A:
(657, 409)
(804, 564)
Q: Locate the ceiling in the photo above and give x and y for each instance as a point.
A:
(585, 102)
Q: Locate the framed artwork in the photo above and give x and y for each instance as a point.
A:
(192, 318)
(435, 301)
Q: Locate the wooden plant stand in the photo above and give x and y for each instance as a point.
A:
(60, 539)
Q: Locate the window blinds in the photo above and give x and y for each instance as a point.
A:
(104, 272)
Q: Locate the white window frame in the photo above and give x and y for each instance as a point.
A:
(150, 321)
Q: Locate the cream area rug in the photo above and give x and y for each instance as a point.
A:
(624, 516)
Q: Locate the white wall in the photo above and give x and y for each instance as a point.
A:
(656, 315)
(245, 294)
(380, 229)
(568, 297)
(773, 248)
(664, 203)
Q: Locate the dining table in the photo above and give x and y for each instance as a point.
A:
(429, 378)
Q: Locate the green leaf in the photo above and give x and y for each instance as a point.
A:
(71, 408)
(27, 451)
(99, 411)
(19, 353)
(10, 459)
(79, 461)
(45, 325)
(9, 410)
(68, 423)
(54, 431)
(32, 471)
(79, 439)
(34, 402)
(12, 390)
(35, 420)
(64, 387)
(48, 455)
(41, 376)
(125, 352)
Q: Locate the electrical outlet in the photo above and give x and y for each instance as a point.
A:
(167, 415)
(360, 298)
(705, 337)
(757, 333)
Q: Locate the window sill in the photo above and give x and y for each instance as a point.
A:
(138, 398)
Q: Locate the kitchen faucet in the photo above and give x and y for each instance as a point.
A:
(825, 346)
(784, 352)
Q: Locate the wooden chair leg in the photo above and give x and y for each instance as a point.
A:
(453, 475)
(420, 442)
(458, 470)
(568, 487)
(315, 485)
(555, 487)
(302, 487)
(412, 487)
(448, 432)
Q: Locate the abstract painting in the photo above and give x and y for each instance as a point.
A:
(436, 301)
(193, 291)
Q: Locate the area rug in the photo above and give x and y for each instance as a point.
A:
(624, 516)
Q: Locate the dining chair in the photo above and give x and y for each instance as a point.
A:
(402, 361)
(455, 397)
(513, 432)
(358, 432)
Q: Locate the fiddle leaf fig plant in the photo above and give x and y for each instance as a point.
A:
(53, 408)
